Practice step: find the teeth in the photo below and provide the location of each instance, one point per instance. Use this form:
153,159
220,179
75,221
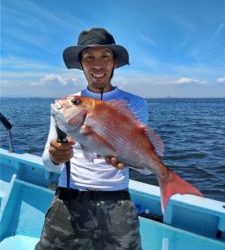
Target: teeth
98,75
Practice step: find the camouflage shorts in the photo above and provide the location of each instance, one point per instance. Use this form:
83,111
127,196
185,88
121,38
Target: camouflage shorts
83,224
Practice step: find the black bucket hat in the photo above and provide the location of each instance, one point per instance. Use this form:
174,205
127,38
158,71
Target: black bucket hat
95,37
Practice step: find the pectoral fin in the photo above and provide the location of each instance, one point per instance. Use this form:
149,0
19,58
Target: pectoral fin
97,143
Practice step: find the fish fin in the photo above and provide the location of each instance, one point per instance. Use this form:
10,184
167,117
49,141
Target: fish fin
155,140
102,141
174,184
122,107
119,104
143,171
105,146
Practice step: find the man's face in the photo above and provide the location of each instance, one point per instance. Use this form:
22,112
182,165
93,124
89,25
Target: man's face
98,64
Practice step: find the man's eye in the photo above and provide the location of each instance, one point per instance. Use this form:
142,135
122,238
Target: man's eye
107,55
88,58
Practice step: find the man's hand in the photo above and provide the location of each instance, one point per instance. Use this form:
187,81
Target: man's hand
113,160
61,152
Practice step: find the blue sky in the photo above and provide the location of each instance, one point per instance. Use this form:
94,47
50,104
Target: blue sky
176,47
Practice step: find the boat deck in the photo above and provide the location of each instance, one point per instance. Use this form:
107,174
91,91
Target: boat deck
25,200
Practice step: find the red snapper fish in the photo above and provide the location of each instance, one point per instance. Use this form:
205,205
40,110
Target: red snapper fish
113,130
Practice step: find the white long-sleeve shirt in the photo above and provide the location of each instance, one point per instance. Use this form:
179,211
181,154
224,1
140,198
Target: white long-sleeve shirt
97,174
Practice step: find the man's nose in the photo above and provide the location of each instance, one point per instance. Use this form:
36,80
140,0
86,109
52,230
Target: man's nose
98,64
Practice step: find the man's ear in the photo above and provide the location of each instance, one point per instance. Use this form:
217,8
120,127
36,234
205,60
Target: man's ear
81,65
115,64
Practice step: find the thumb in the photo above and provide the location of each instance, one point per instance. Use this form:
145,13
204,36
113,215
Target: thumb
71,141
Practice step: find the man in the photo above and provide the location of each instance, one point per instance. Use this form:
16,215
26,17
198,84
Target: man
95,211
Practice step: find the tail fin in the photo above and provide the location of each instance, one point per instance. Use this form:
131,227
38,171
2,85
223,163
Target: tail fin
175,185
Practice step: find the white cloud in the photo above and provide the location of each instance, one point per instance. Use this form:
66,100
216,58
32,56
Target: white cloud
140,78
184,80
47,85
221,80
17,71
52,78
58,80
187,80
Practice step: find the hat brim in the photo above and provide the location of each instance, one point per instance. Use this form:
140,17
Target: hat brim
71,55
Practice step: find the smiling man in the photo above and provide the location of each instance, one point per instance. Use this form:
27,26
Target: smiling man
98,65
92,207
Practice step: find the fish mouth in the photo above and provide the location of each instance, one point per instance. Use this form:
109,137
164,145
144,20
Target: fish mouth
58,106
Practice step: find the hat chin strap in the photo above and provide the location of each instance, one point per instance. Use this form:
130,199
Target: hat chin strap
102,91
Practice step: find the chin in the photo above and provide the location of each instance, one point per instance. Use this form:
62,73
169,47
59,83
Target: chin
98,85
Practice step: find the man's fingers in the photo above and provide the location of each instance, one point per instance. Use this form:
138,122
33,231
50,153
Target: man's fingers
61,152
61,158
114,161
108,159
85,130
62,146
120,165
70,141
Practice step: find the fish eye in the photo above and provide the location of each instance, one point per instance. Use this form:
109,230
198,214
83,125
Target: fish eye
76,101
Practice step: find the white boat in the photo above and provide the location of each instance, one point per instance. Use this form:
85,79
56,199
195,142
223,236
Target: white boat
27,189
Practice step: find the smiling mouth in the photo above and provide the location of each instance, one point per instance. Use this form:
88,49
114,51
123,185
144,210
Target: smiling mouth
98,76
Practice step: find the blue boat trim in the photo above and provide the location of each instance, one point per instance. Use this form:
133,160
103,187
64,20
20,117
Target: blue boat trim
189,222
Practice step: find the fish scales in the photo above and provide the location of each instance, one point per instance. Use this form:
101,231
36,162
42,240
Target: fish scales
120,139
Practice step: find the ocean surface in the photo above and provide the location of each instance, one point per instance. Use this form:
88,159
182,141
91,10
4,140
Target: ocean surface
193,131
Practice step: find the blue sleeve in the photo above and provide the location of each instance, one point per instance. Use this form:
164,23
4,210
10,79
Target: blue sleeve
140,108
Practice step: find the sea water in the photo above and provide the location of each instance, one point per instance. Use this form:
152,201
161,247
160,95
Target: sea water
193,132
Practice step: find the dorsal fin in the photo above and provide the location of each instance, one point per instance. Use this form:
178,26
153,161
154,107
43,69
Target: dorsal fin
119,104
155,140
122,106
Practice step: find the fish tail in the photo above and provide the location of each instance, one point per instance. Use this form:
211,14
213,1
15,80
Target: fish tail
174,184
